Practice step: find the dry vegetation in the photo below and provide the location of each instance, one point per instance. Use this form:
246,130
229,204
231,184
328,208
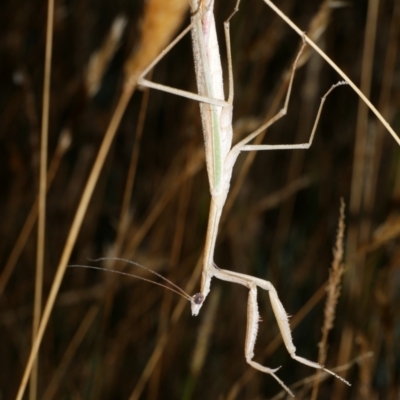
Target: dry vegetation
117,338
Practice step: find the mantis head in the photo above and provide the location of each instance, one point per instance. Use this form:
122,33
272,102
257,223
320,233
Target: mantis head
196,302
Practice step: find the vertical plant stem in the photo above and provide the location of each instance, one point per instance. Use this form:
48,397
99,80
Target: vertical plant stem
69,353
356,236
42,192
63,145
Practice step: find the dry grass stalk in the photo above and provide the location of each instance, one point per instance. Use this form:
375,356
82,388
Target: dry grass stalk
163,340
63,145
161,19
42,200
203,337
333,293
73,346
359,92
316,28
137,235
100,60
310,380
310,93
361,173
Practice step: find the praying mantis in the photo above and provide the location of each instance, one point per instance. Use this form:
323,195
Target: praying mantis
216,115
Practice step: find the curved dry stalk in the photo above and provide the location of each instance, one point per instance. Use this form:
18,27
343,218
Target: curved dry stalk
336,68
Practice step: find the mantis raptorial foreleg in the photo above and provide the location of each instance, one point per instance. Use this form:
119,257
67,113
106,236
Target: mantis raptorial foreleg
216,115
253,319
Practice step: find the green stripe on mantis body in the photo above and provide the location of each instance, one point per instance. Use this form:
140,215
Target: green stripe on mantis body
216,148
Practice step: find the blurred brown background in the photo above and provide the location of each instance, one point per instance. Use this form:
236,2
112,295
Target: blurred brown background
280,222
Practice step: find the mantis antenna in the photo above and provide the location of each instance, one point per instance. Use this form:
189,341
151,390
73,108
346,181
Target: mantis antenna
176,289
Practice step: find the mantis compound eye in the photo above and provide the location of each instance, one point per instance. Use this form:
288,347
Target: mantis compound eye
198,298
197,302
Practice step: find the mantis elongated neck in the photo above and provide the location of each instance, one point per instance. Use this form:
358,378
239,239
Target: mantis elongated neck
211,238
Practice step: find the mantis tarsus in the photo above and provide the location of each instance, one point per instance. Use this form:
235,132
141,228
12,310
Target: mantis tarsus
216,113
